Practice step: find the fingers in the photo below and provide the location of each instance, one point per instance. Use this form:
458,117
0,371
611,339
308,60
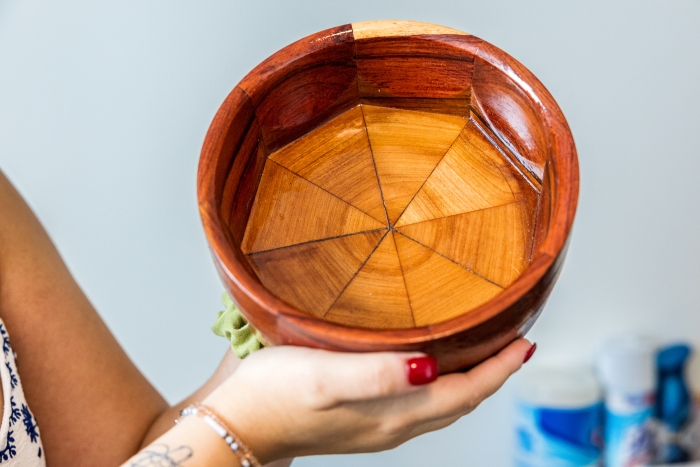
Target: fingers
358,377
459,393
327,379
486,378
361,400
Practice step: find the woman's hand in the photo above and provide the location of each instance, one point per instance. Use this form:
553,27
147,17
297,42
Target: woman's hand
293,401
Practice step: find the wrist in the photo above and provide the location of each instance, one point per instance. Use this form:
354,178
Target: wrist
218,426
241,416
209,442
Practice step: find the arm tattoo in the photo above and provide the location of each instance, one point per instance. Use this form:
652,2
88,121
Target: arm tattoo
160,455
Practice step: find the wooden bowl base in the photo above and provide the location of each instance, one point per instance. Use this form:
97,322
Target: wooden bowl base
387,218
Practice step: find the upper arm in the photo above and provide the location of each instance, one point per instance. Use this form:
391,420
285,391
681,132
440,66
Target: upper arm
92,404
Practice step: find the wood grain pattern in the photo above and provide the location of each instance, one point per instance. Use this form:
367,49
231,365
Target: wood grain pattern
337,157
400,77
510,112
228,130
494,243
290,210
438,288
543,210
376,297
233,123
332,45
311,276
417,67
430,73
301,152
286,113
308,84
525,186
392,28
322,65
407,145
456,107
246,170
492,148
464,180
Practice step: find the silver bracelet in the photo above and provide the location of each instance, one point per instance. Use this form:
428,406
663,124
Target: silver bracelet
210,418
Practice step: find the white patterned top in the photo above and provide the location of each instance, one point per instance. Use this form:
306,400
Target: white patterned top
20,443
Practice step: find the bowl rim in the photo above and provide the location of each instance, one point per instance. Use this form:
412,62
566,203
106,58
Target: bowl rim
564,198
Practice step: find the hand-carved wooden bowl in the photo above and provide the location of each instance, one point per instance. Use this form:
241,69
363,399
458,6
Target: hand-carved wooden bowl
390,185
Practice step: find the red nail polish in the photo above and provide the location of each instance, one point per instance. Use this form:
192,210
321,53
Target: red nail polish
530,353
422,370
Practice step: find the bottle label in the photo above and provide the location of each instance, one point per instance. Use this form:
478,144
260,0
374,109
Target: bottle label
555,437
630,431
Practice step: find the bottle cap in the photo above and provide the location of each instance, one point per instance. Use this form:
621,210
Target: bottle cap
628,364
556,386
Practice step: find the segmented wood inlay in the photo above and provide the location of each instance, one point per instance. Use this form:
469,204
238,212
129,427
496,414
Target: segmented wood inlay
451,210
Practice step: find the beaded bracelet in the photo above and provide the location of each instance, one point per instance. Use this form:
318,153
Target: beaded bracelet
210,418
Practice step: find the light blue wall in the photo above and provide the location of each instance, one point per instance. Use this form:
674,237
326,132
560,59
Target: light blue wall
104,105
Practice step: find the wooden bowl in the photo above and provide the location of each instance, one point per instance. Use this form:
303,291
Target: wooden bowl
390,185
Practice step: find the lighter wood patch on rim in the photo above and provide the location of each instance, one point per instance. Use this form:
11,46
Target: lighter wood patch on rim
371,29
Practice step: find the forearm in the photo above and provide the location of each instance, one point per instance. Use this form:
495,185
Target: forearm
164,422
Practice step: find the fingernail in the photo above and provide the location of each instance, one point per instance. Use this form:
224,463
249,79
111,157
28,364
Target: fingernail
422,370
530,353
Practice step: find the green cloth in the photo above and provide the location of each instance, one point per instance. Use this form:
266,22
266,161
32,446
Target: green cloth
232,325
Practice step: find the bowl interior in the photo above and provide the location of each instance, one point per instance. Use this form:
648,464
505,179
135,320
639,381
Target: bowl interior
385,179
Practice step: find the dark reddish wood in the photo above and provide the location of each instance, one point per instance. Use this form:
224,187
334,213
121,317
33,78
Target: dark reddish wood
287,113
321,65
237,168
456,107
429,73
249,180
408,77
512,103
497,142
226,133
225,154
508,107
543,210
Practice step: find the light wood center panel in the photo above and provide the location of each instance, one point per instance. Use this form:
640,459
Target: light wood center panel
312,275
407,145
377,296
389,218
289,210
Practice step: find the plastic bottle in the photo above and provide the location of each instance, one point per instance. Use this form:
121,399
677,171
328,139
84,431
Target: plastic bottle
627,370
558,422
673,404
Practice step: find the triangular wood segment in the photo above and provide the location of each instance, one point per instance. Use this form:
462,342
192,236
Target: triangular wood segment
495,243
465,180
489,144
477,137
438,288
521,184
288,210
376,297
407,145
297,154
337,157
311,276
